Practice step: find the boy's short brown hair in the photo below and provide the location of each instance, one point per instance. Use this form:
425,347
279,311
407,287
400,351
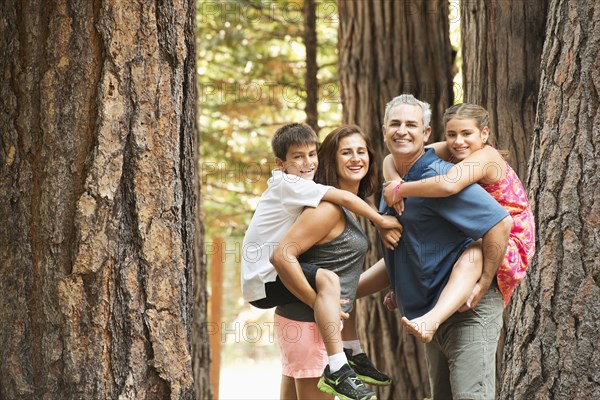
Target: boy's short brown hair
292,134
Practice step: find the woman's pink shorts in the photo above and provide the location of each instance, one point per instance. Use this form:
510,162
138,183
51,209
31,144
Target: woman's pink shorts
303,353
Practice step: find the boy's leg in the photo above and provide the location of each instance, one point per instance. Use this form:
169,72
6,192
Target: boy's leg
358,360
327,310
277,294
338,377
465,274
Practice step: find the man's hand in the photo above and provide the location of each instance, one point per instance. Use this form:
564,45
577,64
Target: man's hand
480,289
390,301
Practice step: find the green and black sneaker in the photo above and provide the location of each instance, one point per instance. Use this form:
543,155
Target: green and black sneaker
345,385
365,369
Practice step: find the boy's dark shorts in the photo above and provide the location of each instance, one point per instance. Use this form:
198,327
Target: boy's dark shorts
278,294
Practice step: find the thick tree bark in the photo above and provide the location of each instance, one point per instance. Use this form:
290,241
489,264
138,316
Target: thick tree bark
392,47
501,47
311,81
98,204
552,346
388,48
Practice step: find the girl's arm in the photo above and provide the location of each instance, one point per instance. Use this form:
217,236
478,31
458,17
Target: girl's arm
312,226
393,178
389,169
441,149
485,165
357,205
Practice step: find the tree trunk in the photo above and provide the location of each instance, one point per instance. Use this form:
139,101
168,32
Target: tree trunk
388,48
501,47
311,81
552,346
98,204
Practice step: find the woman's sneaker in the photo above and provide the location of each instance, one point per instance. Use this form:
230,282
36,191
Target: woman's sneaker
365,370
345,385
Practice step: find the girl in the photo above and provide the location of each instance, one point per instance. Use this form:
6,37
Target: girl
467,145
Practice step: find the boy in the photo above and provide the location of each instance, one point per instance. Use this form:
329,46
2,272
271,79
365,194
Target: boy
290,190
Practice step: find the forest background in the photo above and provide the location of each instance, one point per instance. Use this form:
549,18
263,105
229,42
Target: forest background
115,117
252,66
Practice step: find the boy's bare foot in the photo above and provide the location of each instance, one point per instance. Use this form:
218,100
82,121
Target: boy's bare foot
421,328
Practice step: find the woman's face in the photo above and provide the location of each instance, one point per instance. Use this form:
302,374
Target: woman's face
463,137
352,160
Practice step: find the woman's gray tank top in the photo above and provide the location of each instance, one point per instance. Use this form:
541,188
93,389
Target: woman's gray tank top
344,255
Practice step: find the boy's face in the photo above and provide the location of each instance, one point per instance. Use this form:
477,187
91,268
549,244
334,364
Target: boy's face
301,160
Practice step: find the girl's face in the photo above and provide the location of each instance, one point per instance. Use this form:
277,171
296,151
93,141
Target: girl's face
352,160
463,137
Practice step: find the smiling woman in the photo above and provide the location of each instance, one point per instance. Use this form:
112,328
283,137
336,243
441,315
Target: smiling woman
329,237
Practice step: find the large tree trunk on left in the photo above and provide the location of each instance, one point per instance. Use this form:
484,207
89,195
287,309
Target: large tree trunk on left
387,48
98,200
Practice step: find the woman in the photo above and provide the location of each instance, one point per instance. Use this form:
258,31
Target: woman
331,238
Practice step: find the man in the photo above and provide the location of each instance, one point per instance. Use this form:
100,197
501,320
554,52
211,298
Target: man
461,356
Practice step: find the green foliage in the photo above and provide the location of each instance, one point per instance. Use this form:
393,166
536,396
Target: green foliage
251,65
251,81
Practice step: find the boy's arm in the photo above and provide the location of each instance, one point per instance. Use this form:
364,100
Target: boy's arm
357,205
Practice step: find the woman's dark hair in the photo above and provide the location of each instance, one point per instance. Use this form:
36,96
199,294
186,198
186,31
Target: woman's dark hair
327,171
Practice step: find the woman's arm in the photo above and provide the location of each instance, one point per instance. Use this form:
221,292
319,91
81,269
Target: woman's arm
485,164
313,225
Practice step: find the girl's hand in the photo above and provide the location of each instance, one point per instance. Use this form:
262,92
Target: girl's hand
391,198
390,237
389,193
399,206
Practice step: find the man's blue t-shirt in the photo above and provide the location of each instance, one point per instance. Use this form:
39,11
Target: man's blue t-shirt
436,232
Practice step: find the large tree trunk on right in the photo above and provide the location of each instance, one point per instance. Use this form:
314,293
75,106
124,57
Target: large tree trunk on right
387,48
501,46
552,348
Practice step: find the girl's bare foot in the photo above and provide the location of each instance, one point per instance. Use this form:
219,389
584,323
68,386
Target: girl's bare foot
421,328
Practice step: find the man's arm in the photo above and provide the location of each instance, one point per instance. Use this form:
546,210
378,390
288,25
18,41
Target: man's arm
494,249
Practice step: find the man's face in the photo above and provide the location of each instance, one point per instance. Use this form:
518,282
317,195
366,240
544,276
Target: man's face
300,160
404,134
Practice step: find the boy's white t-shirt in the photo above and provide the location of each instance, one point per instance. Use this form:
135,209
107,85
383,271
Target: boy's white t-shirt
279,207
